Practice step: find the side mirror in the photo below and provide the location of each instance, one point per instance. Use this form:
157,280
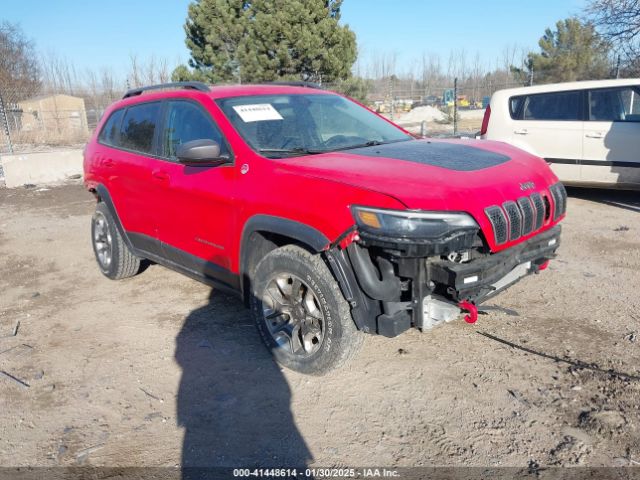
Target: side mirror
203,152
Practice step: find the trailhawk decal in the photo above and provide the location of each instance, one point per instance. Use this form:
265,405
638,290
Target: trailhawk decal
446,155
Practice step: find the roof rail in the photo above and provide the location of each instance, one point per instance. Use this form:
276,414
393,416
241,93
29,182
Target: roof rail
299,83
201,87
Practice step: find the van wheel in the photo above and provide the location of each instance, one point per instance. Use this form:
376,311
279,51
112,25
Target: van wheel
114,258
300,312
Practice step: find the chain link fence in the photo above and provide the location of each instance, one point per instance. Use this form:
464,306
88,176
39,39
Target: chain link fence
40,120
453,108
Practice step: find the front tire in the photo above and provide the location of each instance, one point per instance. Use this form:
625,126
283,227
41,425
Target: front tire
114,258
300,312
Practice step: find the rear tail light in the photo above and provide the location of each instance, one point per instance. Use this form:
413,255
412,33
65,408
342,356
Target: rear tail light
485,121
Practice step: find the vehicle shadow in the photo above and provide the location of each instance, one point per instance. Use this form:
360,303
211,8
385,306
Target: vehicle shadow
233,400
628,200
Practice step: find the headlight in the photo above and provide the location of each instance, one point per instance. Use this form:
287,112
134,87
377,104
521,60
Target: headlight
412,224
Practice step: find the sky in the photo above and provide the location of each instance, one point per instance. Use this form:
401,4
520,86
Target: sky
97,34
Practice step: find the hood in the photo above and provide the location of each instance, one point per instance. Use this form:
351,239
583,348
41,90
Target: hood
456,175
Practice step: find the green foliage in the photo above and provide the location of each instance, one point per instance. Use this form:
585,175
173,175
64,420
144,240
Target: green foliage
182,74
574,51
355,87
265,40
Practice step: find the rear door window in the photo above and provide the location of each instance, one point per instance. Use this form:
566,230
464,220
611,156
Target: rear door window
139,126
564,106
111,130
614,105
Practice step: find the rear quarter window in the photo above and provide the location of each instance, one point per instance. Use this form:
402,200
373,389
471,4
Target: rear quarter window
111,131
515,107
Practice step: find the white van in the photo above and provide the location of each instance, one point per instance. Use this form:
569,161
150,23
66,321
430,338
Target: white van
589,132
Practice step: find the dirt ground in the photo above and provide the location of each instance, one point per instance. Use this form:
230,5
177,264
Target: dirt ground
157,369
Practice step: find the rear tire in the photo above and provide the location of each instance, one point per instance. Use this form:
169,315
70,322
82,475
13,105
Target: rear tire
300,312
113,256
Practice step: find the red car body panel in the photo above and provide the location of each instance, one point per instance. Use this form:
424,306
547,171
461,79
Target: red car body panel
202,211
425,187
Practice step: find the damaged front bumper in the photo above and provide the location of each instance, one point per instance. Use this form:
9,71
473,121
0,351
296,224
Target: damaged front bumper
482,278
390,290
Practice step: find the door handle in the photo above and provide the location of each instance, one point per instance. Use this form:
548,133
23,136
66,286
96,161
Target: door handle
107,162
160,175
595,135
522,131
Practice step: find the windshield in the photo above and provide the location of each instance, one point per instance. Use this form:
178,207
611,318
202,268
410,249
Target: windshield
278,126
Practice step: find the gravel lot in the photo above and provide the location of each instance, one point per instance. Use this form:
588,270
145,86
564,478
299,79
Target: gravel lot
159,370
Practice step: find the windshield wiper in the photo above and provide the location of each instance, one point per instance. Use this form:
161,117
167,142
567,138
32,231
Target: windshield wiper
309,151
370,143
291,151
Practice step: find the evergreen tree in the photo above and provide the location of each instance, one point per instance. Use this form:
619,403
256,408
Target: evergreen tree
355,87
265,40
574,51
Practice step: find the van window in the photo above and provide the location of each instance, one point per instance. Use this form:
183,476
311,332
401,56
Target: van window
109,133
515,107
138,127
187,122
615,105
553,106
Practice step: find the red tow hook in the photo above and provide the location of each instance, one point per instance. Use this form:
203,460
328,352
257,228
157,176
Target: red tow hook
472,317
543,266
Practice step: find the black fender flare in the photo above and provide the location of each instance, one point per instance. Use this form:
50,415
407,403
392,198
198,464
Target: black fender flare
298,231
301,232
105,197
363,309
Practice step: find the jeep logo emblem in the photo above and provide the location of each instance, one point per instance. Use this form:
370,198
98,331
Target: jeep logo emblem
527,186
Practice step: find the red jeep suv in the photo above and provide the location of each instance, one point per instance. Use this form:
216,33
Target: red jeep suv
327,219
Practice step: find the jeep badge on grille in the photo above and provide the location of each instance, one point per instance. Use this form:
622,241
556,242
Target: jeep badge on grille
527,186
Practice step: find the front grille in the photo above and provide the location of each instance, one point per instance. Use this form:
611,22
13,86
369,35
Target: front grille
527,215
538,205
515,220
498,222
559,195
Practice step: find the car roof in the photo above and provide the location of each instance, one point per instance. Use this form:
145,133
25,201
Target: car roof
225,91
216,92
567,86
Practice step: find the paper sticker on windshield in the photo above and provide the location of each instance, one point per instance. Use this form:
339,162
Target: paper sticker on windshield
258,112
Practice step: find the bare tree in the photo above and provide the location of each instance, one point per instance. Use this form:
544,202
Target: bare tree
619,22
19,70
148,72
59,74
134,78
109,85
477,73
431,73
